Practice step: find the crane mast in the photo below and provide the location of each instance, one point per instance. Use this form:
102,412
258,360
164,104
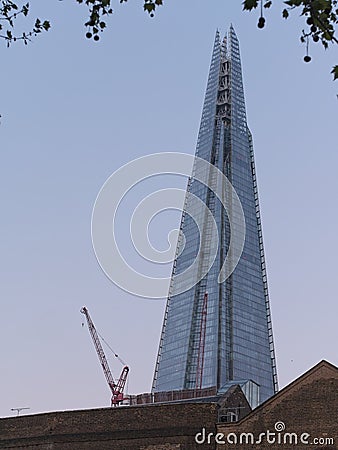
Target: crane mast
116,388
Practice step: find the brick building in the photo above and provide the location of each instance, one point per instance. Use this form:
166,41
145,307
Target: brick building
303,415
308,406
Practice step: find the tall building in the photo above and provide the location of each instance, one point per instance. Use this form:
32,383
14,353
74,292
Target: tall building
237,332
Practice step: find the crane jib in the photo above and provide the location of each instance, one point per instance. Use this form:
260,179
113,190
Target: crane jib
116,388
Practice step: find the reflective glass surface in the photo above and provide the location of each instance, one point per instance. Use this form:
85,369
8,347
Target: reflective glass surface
238,335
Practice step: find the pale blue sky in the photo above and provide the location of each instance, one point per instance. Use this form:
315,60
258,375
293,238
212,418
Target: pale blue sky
74,111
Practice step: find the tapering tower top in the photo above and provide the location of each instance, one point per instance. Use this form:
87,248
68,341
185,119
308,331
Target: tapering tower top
238,342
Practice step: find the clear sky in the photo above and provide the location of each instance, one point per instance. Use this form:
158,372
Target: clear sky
74,111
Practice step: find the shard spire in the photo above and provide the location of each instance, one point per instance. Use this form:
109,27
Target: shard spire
238,344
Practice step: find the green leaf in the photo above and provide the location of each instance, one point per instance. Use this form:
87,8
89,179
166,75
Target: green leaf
335,72
285,13
248,5
149,7
293,3
46,25
267,4
327,36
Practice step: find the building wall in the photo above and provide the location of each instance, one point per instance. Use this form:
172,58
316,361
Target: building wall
150,427
308,405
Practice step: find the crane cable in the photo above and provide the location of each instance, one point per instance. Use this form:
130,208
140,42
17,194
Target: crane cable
114,353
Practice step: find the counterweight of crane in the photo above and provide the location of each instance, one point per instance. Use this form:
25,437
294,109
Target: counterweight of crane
118,387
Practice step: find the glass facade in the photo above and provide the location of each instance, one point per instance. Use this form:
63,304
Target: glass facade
238,334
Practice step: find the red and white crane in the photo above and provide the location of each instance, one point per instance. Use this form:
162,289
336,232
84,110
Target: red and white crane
116,388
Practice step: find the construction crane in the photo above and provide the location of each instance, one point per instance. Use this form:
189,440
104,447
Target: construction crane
201,344
116,388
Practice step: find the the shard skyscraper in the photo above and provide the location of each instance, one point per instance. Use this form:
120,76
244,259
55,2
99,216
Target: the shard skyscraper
238,341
